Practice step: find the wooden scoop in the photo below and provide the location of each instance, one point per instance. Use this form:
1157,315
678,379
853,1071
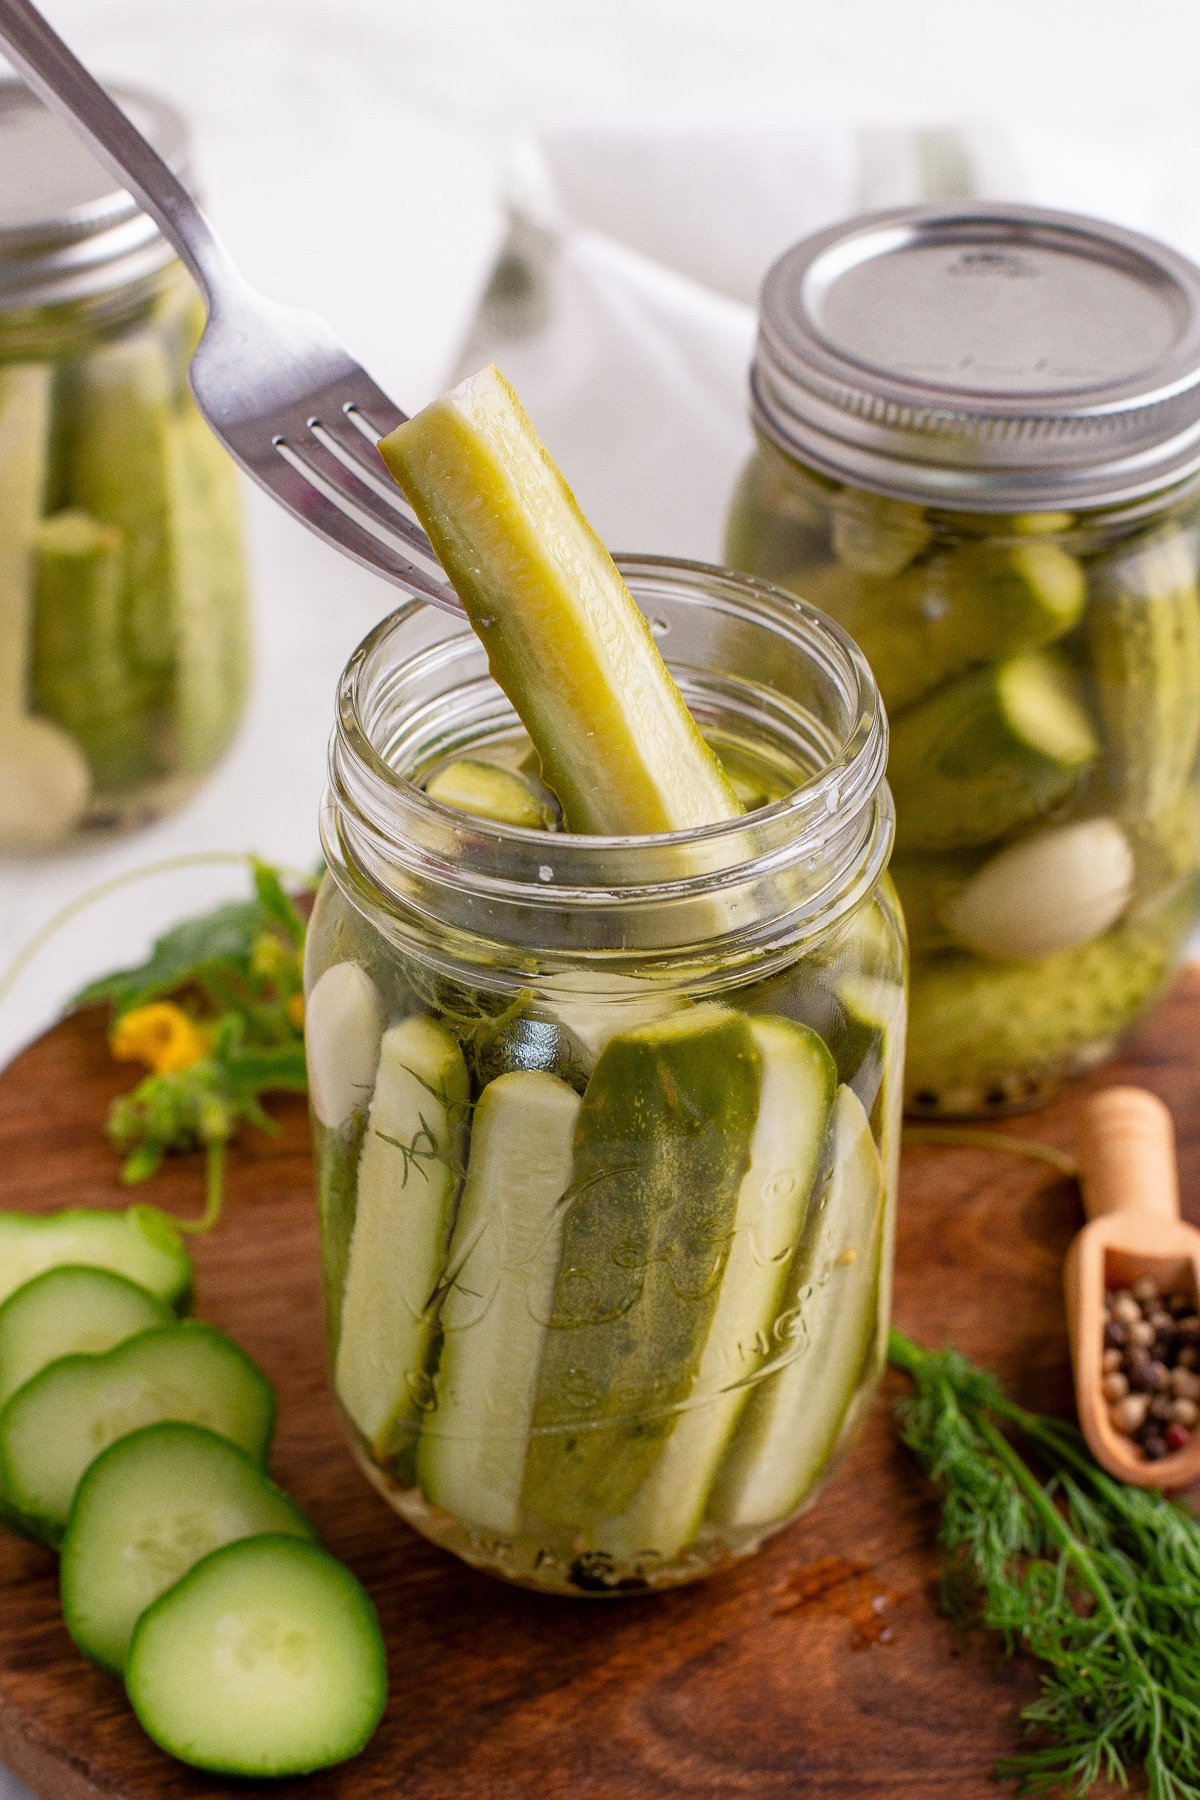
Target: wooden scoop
1126,1145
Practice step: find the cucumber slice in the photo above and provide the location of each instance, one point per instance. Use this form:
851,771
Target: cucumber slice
993,751
499,1293
69,1312
141,1244
147,1510
408,1180
343,1026
57,1424
935,620
799,1082
796,1413
488,792
265,1660
563,636
1053,891
661,1150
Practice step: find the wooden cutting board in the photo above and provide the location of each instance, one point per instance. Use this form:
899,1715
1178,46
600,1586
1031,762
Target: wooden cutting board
820,1667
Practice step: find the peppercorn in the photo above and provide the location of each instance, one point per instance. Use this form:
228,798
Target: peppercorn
1177,1437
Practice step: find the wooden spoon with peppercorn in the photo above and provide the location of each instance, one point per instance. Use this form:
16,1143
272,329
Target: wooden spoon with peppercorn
1133,1296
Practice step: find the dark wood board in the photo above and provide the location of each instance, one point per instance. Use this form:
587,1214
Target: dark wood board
819,1667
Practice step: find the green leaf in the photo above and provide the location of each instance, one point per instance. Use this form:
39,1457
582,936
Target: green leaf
222,938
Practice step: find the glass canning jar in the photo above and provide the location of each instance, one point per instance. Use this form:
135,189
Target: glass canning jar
978,450
606,1129
124,653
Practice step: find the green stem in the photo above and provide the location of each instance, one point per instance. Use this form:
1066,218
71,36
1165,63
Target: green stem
1055,1524
967,1138
214,1194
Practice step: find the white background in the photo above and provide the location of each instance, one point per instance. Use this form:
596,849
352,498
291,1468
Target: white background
349,152
350,149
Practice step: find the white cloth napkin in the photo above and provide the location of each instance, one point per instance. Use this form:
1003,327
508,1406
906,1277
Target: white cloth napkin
623,304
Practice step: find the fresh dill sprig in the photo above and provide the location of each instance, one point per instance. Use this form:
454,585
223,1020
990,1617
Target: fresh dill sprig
1099,1581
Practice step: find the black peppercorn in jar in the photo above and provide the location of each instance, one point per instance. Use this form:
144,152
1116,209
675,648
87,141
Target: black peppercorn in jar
979,450
123,615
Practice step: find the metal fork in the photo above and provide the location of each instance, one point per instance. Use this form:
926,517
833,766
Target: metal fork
283,396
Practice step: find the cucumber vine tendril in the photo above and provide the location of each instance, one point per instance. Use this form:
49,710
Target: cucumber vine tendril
1099,1581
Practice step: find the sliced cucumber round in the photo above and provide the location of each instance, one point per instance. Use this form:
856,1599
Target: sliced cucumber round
147,1510
265,1660
58,1423
69,1312
140,1243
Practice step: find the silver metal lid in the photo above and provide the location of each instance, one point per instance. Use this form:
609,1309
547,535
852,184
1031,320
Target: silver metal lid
993,357
67,231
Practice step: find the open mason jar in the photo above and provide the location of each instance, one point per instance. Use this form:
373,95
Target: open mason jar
979,445
124,651
606,1128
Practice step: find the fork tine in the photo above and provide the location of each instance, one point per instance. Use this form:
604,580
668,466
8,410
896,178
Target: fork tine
305,498
358,455
341,486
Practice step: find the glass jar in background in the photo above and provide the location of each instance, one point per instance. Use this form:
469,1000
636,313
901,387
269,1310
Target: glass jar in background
124,653
606,1129
979,444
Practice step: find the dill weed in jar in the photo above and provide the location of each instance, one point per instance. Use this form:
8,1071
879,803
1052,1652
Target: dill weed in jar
124,650
979,437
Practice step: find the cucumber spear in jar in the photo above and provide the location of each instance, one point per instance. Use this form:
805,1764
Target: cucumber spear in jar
615,1254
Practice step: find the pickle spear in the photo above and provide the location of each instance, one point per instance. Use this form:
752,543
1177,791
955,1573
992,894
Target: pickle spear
664,1140
563,636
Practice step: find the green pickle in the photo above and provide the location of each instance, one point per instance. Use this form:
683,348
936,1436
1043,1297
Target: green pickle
1041,672
606,1139
124,589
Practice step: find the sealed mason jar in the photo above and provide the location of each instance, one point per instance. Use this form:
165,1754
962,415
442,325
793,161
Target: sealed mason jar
124,650
606,1128
978,450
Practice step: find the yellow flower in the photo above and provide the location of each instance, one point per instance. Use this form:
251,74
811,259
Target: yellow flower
160,1035
295,1011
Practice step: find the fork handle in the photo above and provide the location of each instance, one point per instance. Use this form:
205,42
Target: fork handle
58,77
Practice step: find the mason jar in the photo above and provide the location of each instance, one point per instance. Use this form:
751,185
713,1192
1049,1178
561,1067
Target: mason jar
124,651
979,450
606,1128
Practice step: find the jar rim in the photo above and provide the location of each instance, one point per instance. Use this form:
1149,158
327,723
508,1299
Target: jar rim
837,822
